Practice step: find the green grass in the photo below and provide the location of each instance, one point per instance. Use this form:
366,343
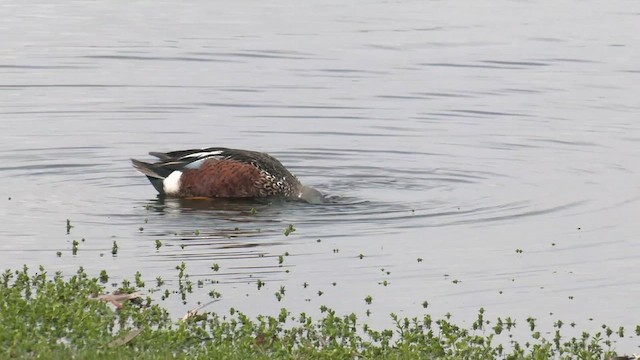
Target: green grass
56,317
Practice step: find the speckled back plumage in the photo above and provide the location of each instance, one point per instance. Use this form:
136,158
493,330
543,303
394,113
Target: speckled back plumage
220,172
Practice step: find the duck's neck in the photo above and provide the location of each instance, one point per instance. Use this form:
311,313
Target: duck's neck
310,195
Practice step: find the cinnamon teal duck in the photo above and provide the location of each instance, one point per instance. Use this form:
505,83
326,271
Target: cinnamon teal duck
219,172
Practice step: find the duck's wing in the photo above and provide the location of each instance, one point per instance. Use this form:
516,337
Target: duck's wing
191,159
189,154
194,158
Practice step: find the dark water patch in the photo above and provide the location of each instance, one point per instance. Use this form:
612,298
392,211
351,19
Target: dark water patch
383,47
401,97
333,75
473,114
446,95
243,90
272,106
344,117
267,55
114,86
55,168
489,113
59,113
570,60
515,63
155,58
403,30
334,133
158,108
36,67
570,143
353,71
475,66
510,146
520,90
547,39
54,149
338,73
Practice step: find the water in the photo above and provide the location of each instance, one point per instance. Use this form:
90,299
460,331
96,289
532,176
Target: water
479,154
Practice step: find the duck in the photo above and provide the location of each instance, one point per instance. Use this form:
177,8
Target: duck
219,172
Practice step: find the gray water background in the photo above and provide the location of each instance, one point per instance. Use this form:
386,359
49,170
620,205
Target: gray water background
480,154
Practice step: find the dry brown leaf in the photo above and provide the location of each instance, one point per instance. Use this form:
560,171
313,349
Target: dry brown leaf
117,299
125,339
193,312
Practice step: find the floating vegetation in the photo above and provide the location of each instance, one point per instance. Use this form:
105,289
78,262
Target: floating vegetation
114,248
74,247
138,279
69,226
290,229
280,293
50,316
104,277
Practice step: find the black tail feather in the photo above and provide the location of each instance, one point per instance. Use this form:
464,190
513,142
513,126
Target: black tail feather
155,174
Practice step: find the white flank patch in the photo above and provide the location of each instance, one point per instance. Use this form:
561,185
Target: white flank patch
203,154
171,185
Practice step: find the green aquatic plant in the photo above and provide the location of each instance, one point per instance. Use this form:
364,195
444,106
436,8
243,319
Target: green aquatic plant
46,315
290,229
69,226
104,277
138,279
74,247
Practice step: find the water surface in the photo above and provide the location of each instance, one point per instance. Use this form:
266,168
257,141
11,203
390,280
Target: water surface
479,154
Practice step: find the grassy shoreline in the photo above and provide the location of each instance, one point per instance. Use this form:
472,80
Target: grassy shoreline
51,316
